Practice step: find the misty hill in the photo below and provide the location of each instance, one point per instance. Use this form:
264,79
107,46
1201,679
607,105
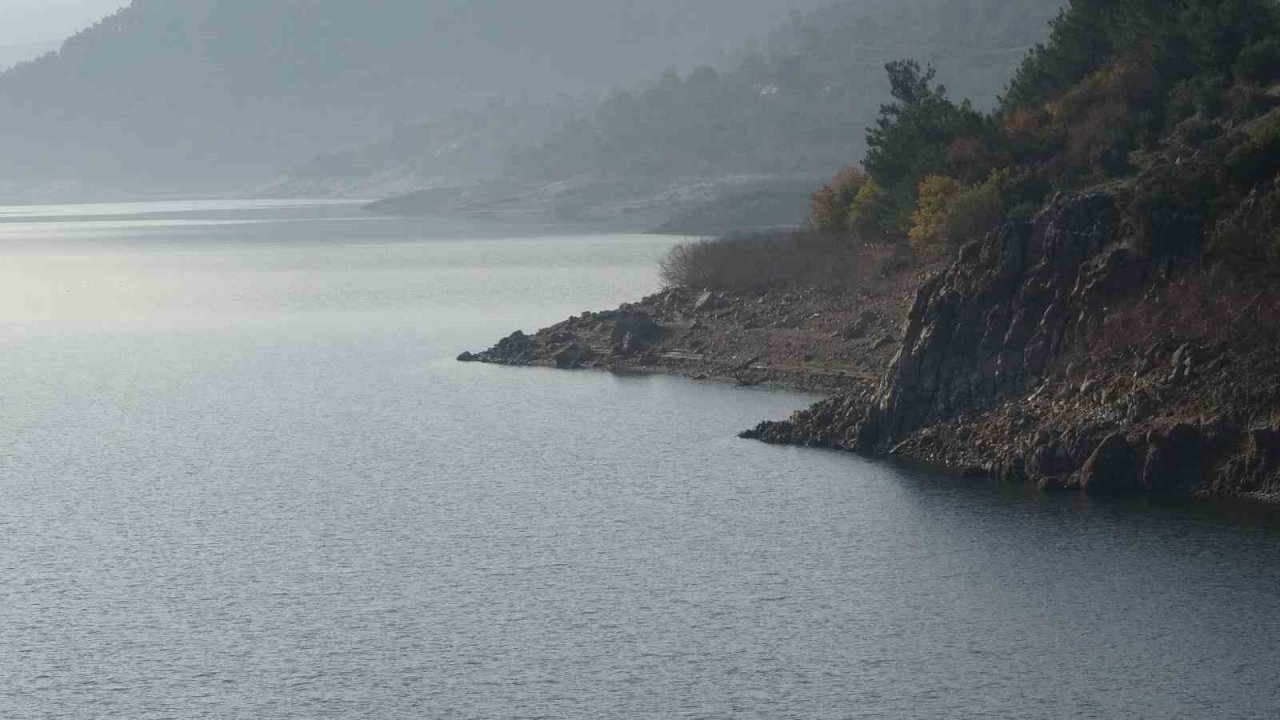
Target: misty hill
800,103
225,91
766,119
461,148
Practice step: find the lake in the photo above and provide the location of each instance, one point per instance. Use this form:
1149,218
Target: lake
241,476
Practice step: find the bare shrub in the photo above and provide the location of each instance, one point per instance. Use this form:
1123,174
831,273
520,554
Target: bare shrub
1248,240
760,262
1202,308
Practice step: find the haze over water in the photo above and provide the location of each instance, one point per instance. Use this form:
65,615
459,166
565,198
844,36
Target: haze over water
242,476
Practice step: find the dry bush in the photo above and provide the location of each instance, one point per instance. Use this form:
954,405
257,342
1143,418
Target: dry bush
1248,240
826,212
760,262
1203,308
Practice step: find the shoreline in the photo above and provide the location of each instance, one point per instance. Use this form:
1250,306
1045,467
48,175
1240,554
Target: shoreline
1003,363
800,341
850,395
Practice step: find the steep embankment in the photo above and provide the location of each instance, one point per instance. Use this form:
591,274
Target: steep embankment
1110,321
1053,352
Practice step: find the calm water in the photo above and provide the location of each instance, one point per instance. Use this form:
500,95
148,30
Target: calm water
242,477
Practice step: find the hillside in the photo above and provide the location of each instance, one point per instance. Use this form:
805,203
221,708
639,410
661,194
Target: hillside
1093,264
790,107
799,102
461,148
185,94
1108,324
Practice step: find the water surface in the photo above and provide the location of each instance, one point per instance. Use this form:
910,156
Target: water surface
242,477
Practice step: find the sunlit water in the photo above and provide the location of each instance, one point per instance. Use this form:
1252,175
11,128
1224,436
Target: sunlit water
241,476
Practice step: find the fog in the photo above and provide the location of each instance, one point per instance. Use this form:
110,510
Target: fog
227,90
193,96
33,27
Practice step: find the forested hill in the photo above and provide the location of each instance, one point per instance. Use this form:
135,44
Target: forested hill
192,91
800,101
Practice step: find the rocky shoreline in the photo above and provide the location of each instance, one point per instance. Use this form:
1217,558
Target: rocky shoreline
1015,364
812,342
1011,361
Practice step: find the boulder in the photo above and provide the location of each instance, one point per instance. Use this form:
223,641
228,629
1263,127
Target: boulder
573,356
1112,469
1175,458
1256,468
515,349
639,325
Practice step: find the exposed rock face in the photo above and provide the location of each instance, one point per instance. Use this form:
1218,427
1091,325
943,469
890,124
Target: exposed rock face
1255,469
859,328
1175,458
1002,360
1112,469
829,424
576,355
985,376
990,326
515,349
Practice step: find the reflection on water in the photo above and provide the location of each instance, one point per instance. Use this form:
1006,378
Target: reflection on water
243,477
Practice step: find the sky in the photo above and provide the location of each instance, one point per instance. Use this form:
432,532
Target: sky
31,27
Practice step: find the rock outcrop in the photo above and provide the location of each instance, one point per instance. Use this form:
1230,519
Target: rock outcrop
999,372
800,340
1000,363
991,326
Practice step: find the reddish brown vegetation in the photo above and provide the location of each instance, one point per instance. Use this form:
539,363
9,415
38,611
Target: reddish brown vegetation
1202,308
777,261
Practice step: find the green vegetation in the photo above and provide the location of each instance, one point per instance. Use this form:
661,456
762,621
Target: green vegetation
1168,98
948,212
831,205
1257,158
919,134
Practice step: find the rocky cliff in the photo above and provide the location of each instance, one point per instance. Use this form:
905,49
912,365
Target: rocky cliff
1011,365
1088,349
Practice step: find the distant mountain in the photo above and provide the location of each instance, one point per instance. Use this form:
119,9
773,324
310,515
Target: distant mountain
190,93
774,114
461,148
802,102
